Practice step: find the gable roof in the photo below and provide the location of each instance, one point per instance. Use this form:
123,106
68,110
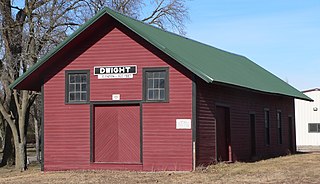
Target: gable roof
207,62
311,90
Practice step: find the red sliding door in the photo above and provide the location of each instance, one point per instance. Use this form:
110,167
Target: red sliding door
117,133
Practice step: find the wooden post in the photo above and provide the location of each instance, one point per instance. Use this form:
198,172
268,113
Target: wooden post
194,156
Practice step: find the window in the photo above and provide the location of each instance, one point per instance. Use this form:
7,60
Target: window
77,86
156,85
314,127
267,126
291,136
253,134
279,121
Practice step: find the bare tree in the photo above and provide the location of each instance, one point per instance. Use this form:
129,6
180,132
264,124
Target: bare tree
30,30
34,29
166,14
35,120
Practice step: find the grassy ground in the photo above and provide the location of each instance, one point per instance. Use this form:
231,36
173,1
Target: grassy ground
301,168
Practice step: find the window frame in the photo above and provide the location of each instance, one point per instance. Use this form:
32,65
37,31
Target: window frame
253,130
279,126
267,127
317,125
67,73
145,81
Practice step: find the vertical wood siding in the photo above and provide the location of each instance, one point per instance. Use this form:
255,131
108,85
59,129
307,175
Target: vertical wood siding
67,126
241,103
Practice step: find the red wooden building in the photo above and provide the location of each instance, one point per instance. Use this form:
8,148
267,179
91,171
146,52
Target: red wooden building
120,94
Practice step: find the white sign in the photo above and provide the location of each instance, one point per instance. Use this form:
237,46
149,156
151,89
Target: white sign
115,96
115,72
183,123
115,76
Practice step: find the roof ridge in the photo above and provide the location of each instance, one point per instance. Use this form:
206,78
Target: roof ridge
163,48
173,33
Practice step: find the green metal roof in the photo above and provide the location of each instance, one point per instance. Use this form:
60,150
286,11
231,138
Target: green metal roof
207,62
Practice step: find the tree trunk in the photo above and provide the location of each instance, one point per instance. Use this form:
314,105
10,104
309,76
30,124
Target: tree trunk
8,151
2,132
36,134
21,145
20,156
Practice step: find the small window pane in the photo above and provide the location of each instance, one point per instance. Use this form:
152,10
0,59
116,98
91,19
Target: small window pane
156,94
72,79
150,95
156,83
84,96
162,94
149,74
156,75
266,119
72,97
267,125
162,83
150,83
77,87
72,87
83,87
77,97
76,78
163,75
83,78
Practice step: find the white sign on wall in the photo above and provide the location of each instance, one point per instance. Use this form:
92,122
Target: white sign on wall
115,72
115,96
183,123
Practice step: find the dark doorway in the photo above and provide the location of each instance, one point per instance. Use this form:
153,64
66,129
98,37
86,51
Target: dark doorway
290,135
253,134
224,152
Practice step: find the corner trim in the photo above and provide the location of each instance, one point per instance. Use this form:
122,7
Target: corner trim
42,128
141,134
194,124
91,133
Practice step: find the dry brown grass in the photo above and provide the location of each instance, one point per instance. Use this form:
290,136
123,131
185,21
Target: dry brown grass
301,168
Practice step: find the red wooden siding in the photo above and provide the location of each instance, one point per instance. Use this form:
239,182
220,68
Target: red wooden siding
223,134
67,126
117,134
206,128
241,104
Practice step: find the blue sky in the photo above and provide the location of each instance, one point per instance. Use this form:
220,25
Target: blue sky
283,36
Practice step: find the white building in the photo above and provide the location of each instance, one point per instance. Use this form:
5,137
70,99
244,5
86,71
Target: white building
308,121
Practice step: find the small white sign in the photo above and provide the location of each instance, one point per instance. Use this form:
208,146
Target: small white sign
115,96
115,76
183,123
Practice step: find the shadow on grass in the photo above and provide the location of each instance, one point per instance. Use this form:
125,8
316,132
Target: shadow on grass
260,158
